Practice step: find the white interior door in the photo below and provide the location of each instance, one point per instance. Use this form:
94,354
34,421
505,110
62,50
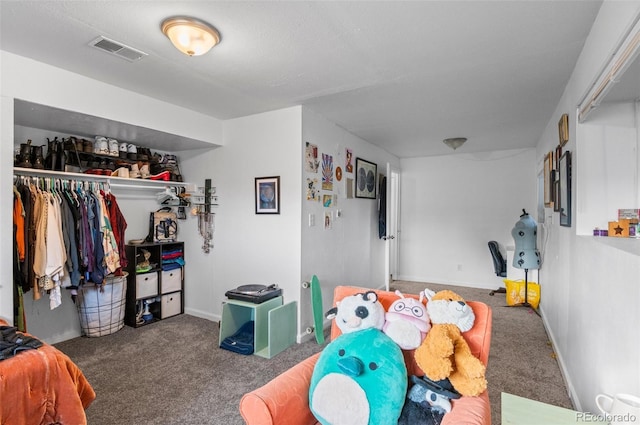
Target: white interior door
393,228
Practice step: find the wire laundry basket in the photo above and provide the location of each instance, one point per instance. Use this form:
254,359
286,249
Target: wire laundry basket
101,308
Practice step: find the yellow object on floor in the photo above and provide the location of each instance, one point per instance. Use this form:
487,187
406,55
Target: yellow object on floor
515,292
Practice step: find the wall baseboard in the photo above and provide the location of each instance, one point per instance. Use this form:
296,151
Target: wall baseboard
202,314
426,280
561,363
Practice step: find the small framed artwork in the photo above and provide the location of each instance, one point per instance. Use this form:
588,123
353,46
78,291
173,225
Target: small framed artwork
267,195
563,129
548,182
556,158
365,179
328,220
556,195
348,165
564,166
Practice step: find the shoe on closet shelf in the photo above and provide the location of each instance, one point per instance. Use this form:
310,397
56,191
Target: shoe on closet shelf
114,148
87,146
144,171
165,175
121,172
143,154
132,151
101,145
122,150
135,172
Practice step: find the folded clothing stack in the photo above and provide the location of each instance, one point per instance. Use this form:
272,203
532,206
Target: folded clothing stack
172,259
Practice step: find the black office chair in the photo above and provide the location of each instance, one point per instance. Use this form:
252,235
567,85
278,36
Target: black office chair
499,264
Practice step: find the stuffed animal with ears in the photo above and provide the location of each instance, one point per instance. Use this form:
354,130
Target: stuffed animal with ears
427,401
407,321
360,378
357,312
444,353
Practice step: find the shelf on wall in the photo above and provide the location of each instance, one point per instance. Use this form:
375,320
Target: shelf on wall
629,245
113,181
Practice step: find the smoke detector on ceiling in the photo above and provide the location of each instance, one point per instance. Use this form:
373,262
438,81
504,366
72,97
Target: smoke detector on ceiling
118,49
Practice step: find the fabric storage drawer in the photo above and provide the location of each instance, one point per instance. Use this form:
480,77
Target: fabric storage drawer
172,280
171,305
146,285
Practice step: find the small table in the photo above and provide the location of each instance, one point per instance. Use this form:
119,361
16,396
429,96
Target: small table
275,323
523,411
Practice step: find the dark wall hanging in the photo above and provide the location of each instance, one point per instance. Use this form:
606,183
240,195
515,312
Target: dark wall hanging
365,179
564,167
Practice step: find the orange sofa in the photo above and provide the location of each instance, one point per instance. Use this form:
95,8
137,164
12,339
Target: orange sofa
285,399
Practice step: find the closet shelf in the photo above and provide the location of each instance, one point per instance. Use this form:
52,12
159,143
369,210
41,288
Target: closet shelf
113,181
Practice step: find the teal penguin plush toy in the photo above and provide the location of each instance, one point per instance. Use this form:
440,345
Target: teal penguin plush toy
360,379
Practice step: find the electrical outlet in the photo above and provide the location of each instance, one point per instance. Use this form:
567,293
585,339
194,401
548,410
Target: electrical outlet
312,220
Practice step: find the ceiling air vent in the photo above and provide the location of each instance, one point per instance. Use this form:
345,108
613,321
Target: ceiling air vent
116,48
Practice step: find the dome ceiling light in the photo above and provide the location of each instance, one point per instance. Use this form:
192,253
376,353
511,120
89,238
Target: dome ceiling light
455,142
191,36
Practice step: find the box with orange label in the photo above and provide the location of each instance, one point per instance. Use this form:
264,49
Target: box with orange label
623,228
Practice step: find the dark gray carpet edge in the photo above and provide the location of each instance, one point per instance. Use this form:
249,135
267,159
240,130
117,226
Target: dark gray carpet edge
173,372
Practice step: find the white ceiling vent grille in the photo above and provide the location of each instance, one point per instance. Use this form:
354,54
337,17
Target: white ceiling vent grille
118,49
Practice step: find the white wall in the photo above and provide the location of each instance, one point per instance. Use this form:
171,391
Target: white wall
589,302
453,205
248,248
350,253
25,79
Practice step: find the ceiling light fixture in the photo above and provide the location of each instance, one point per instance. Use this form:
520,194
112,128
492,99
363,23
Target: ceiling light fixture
455,142
191,36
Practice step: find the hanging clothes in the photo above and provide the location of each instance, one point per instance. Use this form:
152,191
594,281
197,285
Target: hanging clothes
119,225
65,233
109,246
382,209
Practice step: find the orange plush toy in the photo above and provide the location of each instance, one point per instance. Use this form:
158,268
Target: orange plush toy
444,353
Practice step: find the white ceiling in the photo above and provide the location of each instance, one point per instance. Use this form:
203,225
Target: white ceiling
401,75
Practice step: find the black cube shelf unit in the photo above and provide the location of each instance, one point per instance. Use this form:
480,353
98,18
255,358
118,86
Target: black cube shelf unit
162,289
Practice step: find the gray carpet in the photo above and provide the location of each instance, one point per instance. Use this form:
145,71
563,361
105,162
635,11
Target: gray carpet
172,372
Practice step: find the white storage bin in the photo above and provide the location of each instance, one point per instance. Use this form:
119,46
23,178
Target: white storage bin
171,305
101,307
146,285
172,280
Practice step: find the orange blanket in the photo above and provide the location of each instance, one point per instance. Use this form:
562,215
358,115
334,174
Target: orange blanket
43,386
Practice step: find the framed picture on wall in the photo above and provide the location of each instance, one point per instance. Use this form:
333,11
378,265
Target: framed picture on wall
365,179
267,195
556,195
548,182
563,129
564,166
